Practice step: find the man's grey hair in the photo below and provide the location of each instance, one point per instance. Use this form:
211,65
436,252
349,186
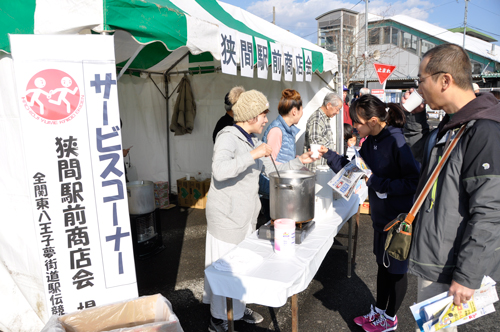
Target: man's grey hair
364,91
333,99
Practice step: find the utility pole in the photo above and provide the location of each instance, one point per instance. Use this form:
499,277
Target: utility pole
366,37
274,13
340,117
465,20
341,62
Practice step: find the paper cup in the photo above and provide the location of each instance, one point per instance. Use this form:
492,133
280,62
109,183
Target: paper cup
413,101
315,150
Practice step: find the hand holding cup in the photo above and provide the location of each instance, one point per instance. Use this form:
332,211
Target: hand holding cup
307,157
315,150
412,101
323,150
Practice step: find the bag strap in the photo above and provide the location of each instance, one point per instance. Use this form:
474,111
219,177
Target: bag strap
428,185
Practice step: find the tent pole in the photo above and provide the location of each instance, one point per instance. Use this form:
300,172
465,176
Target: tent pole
196,71
168,137
165,75
327,84
132,58
177,62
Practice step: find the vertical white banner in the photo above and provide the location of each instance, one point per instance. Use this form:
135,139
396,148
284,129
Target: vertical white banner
262,57
276,61
288,62
228,50
299,64
308,65
68,104
246,54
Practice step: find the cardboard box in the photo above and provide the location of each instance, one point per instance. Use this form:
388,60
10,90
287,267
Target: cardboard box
192,193
161,194
164,203
200,194
147,313
365,208
206,185
185,192
161,185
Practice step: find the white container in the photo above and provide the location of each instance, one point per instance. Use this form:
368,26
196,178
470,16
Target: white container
315,150
141,197
324,194
284,237
413,101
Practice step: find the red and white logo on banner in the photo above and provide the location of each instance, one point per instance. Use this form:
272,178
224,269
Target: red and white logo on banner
52,95
383,71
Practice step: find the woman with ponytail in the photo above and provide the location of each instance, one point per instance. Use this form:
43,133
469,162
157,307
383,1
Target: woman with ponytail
280,135
391,189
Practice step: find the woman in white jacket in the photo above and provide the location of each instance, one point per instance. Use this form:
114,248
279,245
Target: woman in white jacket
233,203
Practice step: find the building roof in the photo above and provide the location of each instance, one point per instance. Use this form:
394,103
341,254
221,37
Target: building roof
472,44
474,33
337,10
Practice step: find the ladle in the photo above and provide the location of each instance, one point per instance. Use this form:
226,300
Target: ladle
276,168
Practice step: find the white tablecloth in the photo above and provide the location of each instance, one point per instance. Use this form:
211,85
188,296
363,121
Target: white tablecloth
277,278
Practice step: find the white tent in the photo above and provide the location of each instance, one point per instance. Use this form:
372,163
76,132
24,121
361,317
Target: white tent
163,40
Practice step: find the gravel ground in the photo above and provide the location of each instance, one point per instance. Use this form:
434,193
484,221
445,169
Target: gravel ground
329,303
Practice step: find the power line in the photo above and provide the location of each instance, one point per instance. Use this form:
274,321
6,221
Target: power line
492,33
440,5
310,34
489,11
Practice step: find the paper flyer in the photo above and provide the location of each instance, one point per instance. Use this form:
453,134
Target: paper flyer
439,312
346,180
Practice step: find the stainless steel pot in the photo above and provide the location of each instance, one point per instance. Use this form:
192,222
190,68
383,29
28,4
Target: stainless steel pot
141,197
292,195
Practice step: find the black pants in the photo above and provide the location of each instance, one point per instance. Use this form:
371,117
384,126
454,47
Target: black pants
391,290
266,210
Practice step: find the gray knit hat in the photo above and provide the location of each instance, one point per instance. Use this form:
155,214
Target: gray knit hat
249,105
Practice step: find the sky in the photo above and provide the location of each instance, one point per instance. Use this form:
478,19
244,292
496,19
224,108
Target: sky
298,16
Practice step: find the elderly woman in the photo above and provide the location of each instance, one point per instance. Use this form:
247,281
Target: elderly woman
233,203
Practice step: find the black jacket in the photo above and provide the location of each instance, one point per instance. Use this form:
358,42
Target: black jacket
224,121
395,173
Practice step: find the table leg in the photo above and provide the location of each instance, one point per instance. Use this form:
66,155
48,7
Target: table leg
356,229
230,320
349,248
295,313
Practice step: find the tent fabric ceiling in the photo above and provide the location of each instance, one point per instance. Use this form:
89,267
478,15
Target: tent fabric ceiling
167,28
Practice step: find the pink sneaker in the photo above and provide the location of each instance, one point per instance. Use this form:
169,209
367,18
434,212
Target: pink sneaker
382,324
368,318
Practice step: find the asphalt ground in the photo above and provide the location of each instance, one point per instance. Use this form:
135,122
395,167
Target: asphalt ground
330,303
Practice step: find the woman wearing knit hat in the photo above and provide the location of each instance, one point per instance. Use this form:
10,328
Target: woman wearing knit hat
229,100
233,203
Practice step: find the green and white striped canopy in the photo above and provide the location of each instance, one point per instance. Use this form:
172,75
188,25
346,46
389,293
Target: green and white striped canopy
162,31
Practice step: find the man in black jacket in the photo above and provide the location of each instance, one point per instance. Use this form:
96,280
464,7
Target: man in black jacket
457,230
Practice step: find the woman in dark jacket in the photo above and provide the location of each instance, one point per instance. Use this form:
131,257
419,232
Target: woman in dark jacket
391,189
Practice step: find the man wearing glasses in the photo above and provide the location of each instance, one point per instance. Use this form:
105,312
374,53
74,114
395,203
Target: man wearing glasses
456,238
